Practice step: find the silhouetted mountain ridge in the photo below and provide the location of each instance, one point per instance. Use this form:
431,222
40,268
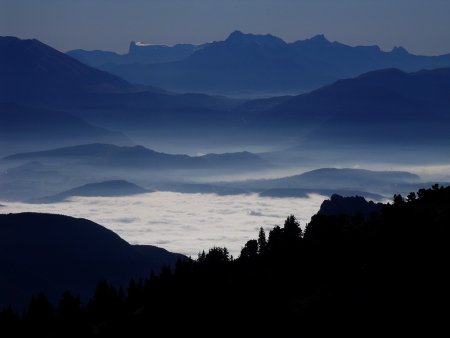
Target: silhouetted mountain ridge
264,64
54,253
139,156
137,53
330,181
343,274
351,205
35,74
32,71
380,107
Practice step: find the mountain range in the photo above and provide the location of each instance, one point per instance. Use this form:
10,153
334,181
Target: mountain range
328,181
141,157
138,52
35,75
250,64
381,106
377,108
99,169
33,72
346,182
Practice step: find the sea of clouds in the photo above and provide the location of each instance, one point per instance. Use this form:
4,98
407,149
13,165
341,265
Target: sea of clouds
185,223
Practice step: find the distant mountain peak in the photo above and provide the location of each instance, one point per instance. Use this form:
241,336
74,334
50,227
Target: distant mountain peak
319,38
399,50
267,39
37,73
235,35
316,40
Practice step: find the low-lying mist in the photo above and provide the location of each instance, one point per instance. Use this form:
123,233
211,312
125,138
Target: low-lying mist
184,223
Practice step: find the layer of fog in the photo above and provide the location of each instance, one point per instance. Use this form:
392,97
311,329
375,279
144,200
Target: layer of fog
185,223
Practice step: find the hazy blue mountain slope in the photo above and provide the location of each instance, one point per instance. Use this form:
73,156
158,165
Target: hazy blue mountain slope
140,157
100,189
385,106
328,181
25,128
137,53
263,64
33,72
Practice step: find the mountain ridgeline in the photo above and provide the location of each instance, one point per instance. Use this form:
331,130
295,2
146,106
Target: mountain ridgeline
32,71
254,64
389,106
356,271
54,253
36,75
328,181
85,123
137,53
102,170
98,154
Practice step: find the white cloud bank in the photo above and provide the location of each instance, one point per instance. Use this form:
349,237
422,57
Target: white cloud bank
185,223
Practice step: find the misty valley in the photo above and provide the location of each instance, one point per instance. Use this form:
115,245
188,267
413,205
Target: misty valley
152,186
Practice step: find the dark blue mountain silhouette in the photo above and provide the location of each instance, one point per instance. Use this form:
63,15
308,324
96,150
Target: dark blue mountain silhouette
351,205
137,53
34,74
328,181
54,253
101,189
377,107
141,157
333,177
385,106
31,71
264,64
388,94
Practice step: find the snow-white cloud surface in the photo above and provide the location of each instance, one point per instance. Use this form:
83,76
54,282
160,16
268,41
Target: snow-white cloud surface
185,223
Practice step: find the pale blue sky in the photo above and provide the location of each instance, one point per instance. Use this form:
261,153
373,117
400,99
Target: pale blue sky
422,26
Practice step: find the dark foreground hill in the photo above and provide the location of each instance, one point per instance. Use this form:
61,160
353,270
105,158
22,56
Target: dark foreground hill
342,276
53,253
